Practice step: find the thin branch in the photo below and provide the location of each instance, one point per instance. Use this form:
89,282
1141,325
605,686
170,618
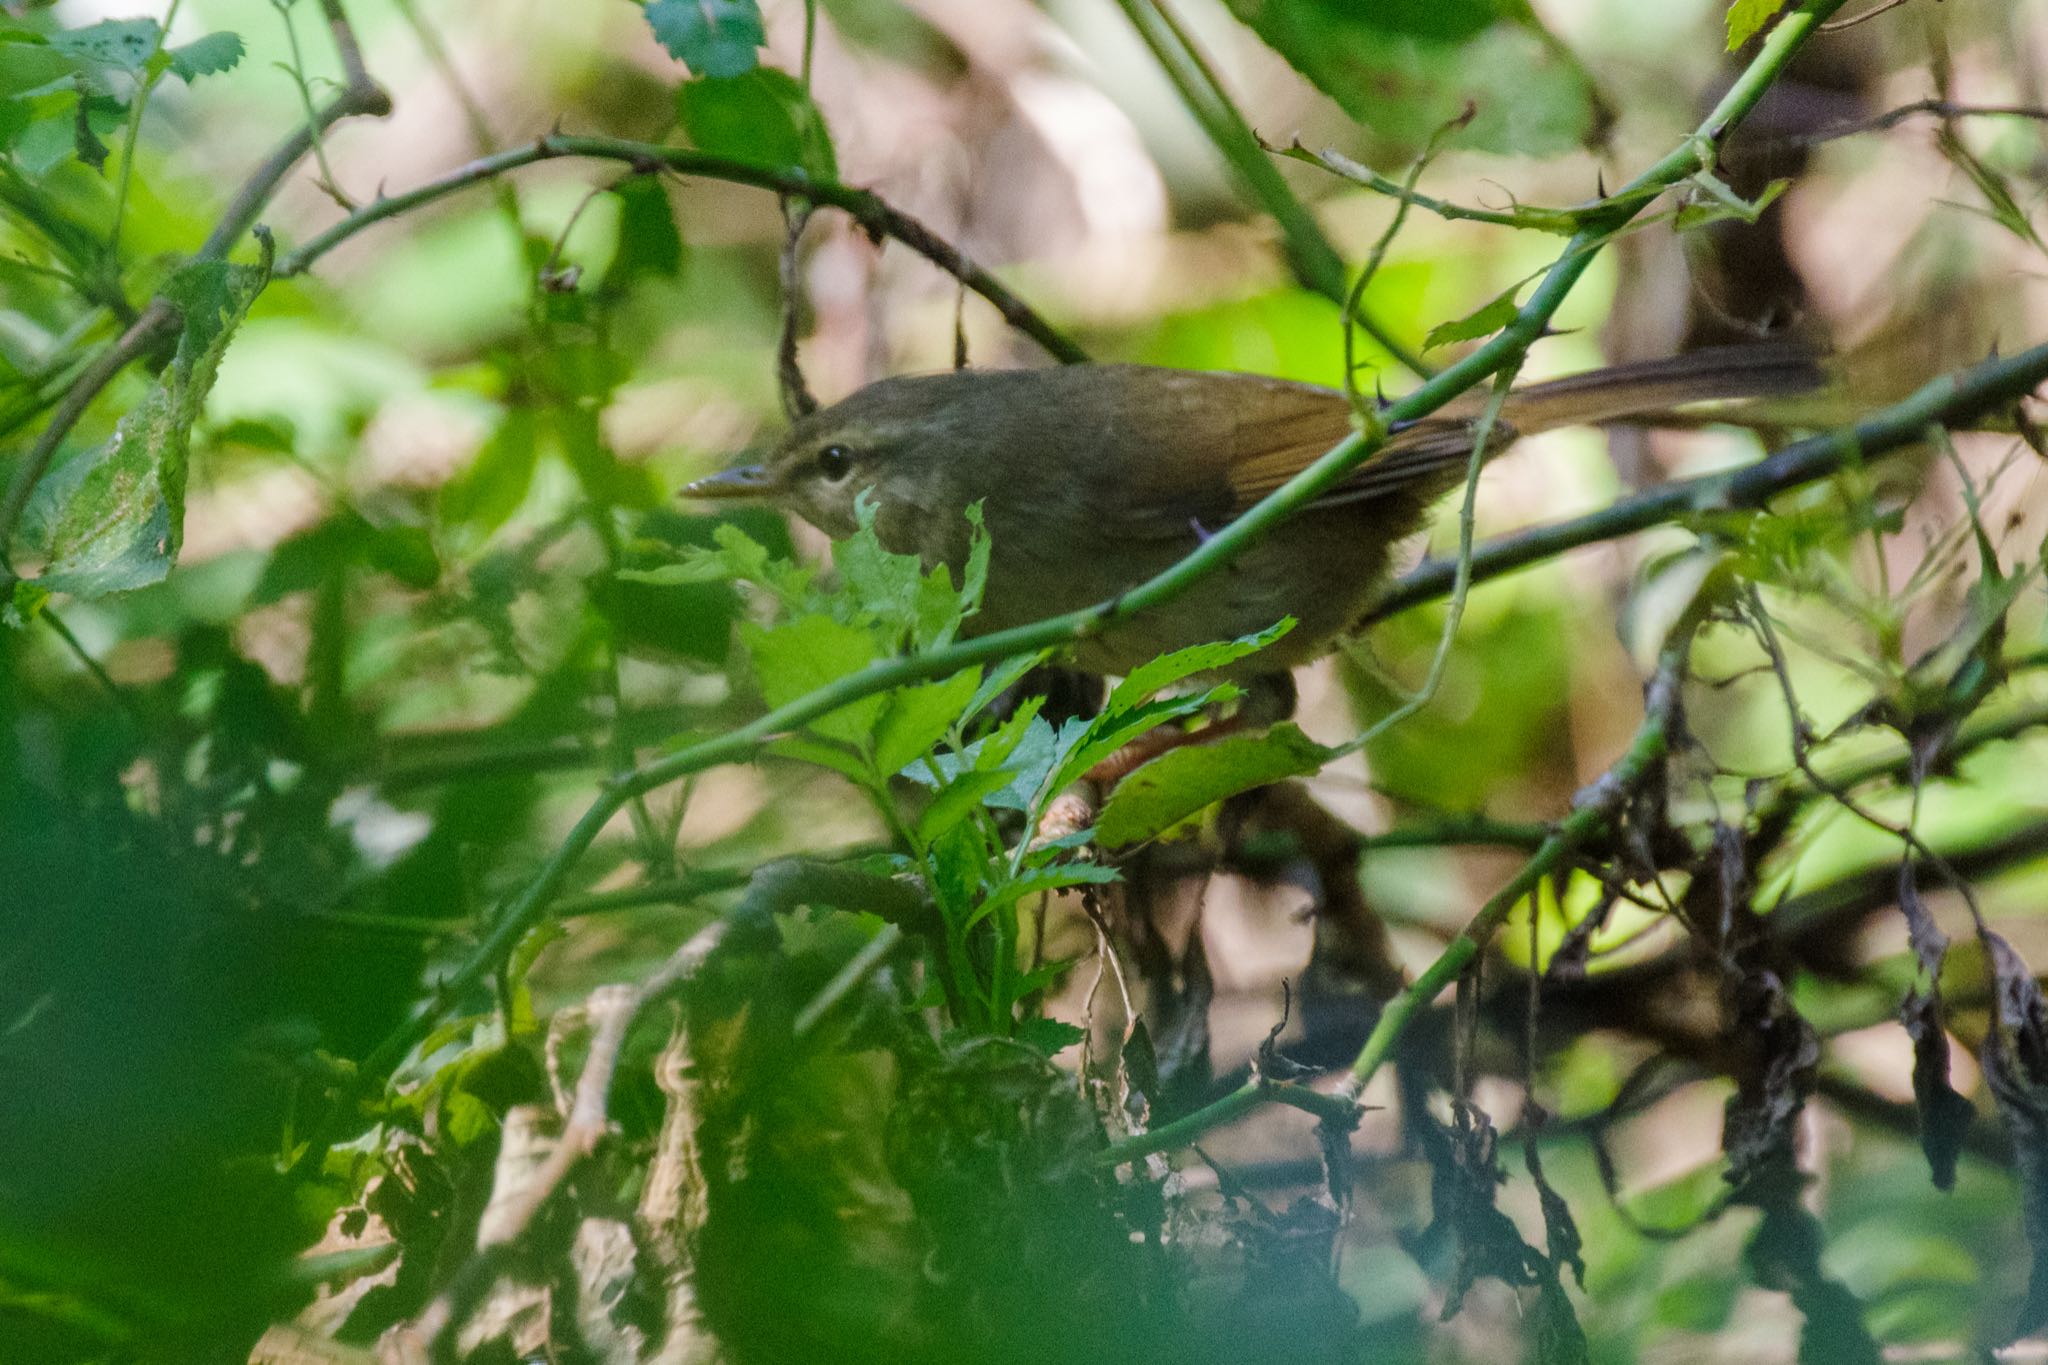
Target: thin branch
1593,813
1562,222
1865,17
1315,262
156,321
865,207
1892,118
1951,400
1531,322
613,1010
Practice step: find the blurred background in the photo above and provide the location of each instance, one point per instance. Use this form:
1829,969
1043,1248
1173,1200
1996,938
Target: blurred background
392,660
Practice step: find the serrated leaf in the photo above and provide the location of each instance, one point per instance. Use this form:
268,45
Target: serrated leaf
803,655
956,801
762,117
1406,68
1747,17
1189,779
1001,678
711,37
1168,669
919,717
117,44
121,518
207,56
1047,1037
1055,877
1495,314
1111,731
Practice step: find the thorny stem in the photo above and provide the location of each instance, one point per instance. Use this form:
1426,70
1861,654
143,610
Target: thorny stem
1951,399
868,209
1505,349
1592,814
1462,584
1560,221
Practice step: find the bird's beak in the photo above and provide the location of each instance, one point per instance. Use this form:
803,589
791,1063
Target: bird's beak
745,481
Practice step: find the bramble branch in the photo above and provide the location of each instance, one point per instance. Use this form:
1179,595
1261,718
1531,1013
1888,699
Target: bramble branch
875,215
1593,814
1950,401
1507,348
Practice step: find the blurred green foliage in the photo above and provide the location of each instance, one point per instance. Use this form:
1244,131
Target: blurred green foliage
327,619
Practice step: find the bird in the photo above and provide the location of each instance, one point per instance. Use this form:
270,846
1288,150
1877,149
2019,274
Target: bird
1094,478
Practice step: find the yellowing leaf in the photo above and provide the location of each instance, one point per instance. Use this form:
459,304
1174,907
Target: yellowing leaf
1747,17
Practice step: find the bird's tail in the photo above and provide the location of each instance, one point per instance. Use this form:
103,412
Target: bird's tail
1649,389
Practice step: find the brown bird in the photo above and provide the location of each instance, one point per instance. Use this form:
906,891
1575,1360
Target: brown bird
1094,478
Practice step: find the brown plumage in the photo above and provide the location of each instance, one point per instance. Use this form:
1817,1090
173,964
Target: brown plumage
1093,478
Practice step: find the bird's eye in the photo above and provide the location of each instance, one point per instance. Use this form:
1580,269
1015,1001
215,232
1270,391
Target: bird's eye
835,463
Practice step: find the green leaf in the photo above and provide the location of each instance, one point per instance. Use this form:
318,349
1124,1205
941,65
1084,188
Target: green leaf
1055,877
957,800
118,523
465,1118
23,604
50,139
115,44
1406,68
85,143
741,558
1001,678
1023,748
208,56
407,554
1168,669
649,244
1495,314
1112,730
1747,17
823,753
919,717
796,659
31,66
1183,781
762,117
711,37
1048,1037
487,493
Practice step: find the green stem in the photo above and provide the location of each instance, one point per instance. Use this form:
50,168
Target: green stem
1213,554
144,84
1562,222
297,71
1315,262
1592,814
1949,400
